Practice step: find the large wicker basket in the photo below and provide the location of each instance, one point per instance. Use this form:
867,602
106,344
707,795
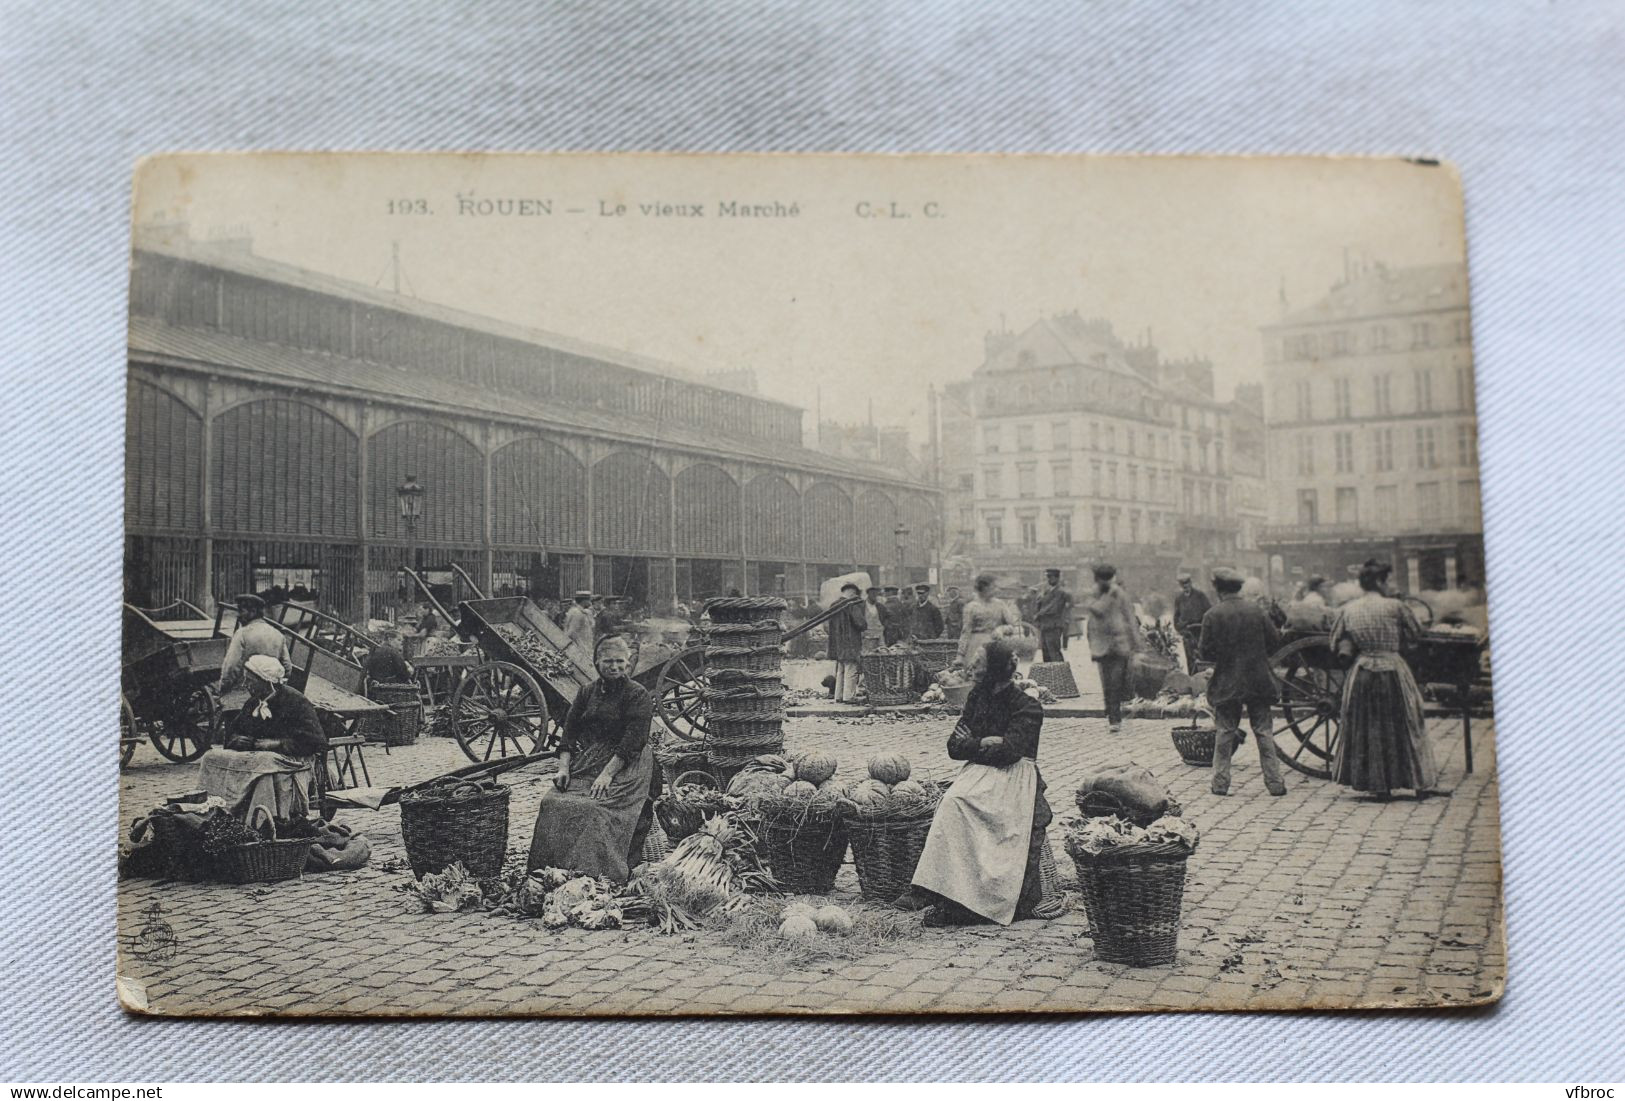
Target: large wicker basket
1134,897
263,860
1195,744
886,851
401,724
1057,677
936,654
744,609
745,701
439,832
745,659
888,678
804,851
762,632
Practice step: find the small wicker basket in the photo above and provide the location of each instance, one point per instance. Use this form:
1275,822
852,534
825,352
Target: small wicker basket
1195,744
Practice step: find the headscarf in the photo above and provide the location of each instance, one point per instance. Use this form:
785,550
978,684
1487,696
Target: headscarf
612,646
998,667
269,670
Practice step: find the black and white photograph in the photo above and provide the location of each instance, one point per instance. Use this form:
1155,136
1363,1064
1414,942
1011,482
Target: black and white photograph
610,585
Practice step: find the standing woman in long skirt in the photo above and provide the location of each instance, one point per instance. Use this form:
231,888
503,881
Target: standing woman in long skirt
1384,743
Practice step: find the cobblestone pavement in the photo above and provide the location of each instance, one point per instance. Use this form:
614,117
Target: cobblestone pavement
1319,898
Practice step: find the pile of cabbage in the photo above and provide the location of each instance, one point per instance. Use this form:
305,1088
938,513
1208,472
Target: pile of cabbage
1091,837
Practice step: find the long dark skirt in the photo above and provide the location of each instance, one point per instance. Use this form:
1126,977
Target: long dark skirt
576,832
1383,744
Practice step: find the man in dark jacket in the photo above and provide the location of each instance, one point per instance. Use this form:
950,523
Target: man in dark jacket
953,613
1053,616
927,621
1239,638
846,629
1190,605
895,615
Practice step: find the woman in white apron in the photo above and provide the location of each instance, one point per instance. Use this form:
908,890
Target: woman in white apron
985,857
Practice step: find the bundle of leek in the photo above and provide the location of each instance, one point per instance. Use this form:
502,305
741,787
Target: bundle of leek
708,873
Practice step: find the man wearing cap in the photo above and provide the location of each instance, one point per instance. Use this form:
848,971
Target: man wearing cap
1238,638
1190,605
846,629
579,622
254,635
1114,636
874,616
926,620
1053,616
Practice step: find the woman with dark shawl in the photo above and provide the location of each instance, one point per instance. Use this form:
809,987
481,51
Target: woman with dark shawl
587,821
1383,742
985,856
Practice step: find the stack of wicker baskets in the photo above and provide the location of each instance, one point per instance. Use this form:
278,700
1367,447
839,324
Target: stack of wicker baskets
743,666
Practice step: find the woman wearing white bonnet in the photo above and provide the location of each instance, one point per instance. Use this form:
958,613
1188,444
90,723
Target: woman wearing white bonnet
271,747
589,817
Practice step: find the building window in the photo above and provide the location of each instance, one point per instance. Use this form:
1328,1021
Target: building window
1348,505
1340,343
1060,435
1111,438
1424,390
1466,445
1382,391
1306,455
1467,505
995,532
990,438
1344,445
1306,408
1185,443
1134,526
1061,479
1221,500
1343,398
967,483
1027,480
1094,435
1063,530
1129,436
1218,456
992,482
1308,508
1029,532
1388,508
1207,499
1429,504
1111,479
1421,334
1383,451
1133,482
1098,515
1426,454
1461,330
1024,437
1112,519
1464,389
1095,484
1381,339
1189,488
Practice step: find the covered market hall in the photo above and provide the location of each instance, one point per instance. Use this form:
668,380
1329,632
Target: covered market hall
290,429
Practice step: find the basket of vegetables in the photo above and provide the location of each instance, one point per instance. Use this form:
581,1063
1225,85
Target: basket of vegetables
800,831
269,853
888,816
455,821
1132,881
682,810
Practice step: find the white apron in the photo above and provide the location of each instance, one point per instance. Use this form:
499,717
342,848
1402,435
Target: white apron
976,852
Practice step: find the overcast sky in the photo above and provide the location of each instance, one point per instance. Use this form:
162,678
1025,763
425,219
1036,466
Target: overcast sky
831,302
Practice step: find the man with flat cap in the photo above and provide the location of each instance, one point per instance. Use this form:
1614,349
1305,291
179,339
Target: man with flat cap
255,635
895,615
1238,638
1190,605
1053,616
846,629
927,617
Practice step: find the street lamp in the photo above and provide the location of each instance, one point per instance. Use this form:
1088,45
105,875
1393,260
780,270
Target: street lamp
900,539
409,495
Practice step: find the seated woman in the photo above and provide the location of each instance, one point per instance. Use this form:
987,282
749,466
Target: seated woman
983,857
272,747
587,821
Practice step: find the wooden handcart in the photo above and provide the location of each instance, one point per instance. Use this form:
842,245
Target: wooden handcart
171,656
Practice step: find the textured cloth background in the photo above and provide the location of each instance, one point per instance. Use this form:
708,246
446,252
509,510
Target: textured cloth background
1527,98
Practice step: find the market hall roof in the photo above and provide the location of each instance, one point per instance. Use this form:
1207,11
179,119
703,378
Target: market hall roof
151,340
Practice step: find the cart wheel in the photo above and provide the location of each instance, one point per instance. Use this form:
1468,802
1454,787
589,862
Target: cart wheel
187,731
1311,686
499,711
680,695
1421,609
128,735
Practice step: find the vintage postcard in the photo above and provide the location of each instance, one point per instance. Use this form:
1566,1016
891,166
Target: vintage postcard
642,584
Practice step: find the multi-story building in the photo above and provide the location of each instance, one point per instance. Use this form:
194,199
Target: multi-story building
1372,432
1067,447
276,415
1249,481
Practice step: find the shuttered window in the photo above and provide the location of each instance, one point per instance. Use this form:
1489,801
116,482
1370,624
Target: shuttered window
163,460
451,471
829,523
631,504
538,495
877,523
773,518
708,520
283,466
